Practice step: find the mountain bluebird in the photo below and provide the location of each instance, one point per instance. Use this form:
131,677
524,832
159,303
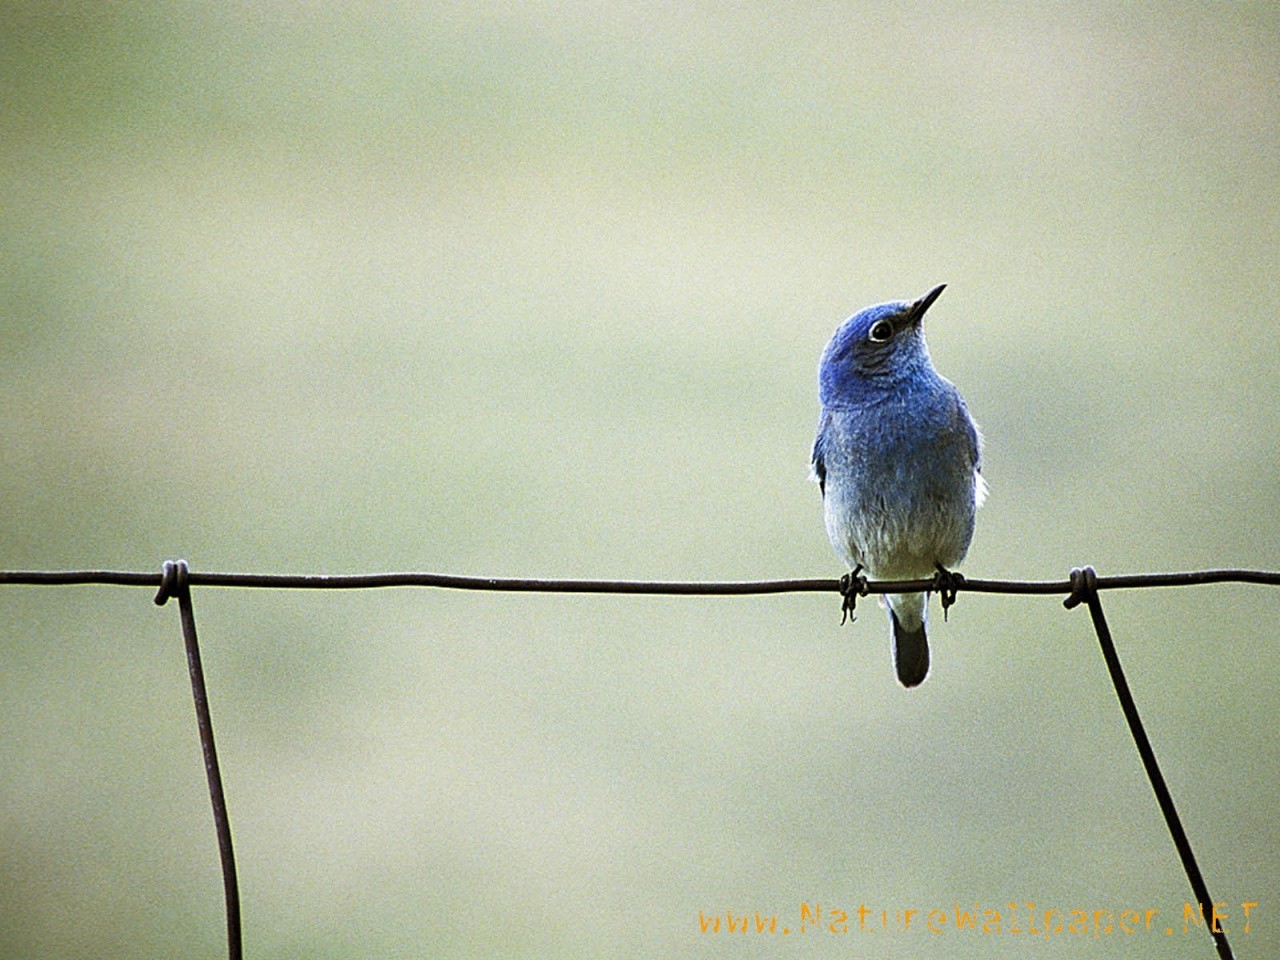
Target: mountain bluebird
897,458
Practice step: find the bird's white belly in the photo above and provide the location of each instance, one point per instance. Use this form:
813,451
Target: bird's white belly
906,541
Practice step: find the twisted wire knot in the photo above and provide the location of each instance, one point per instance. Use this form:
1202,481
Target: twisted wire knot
1084,584
173,581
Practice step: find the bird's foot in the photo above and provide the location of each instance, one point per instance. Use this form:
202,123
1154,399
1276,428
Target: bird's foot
852,586
947,583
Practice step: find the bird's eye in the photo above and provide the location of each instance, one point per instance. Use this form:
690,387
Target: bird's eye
881,332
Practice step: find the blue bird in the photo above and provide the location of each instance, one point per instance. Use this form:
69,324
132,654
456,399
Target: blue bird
897,457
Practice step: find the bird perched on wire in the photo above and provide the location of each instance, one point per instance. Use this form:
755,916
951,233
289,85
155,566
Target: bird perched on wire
897,457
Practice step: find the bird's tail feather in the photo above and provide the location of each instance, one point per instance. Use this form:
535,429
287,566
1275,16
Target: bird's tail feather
910,652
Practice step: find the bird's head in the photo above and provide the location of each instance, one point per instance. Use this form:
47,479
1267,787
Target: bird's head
874,349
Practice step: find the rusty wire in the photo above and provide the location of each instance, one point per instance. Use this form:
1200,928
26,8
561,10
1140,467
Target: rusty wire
175,580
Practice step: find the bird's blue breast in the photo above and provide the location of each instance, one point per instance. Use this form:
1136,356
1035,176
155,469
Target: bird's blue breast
899,485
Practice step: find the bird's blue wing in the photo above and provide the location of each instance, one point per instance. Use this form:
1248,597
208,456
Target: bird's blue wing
974,438
818,463
975,451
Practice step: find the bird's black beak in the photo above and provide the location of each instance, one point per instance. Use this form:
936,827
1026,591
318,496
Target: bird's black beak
924,303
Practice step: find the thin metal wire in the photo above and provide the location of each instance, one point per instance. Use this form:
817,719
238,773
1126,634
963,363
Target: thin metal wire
175,582
285,581
1084,590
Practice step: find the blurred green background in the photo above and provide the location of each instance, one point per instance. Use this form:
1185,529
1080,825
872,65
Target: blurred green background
539,290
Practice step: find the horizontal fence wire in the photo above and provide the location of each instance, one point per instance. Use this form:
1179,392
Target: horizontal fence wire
175,580
367,581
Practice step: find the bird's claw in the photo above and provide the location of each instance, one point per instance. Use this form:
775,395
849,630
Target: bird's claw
947,583
852,586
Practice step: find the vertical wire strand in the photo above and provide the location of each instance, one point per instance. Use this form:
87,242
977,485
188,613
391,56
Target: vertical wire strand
174,583
1084,589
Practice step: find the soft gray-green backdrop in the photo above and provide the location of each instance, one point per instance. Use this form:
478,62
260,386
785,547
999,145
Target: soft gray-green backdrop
539,289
